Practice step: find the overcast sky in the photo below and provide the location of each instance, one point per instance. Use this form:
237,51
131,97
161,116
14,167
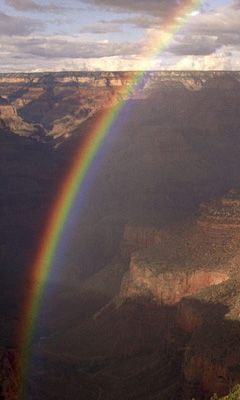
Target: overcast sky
56,35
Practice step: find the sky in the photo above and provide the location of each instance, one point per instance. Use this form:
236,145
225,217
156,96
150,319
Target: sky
61,35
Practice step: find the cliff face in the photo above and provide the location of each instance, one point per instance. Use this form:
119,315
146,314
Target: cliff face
211,358
222,215
61,102
7,111
9,119
192,80
196,270
166,287
181,262
176,315
178,146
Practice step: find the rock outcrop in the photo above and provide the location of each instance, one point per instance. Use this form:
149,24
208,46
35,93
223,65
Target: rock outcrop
9,119
222,215
166,287
196,269
179,263
233,395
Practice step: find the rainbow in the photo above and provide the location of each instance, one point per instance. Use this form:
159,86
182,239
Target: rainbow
72,185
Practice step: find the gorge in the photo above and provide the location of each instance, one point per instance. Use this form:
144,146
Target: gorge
144,302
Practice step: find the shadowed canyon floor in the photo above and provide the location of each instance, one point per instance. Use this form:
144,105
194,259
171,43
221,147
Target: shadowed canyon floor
144,303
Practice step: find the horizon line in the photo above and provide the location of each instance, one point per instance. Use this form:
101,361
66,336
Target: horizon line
120,71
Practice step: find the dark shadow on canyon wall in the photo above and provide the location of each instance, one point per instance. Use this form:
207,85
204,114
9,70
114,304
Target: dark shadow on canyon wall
166,156
137,350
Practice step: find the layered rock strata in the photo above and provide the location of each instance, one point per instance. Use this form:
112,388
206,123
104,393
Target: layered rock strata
9,119
196,269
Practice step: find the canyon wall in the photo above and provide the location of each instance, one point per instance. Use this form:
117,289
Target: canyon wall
10,120
164,162
166,287
203,290
172,265
175,321
60,102
193,80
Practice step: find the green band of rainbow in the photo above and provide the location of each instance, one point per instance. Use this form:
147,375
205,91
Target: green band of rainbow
72,185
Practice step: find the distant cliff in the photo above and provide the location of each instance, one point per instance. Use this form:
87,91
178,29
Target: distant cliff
61,102
193,80
10,120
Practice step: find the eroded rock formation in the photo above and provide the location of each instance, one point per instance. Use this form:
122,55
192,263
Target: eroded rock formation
165,332
166,287
10,120
61,102
179,302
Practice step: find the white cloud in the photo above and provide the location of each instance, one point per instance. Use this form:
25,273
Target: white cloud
209,39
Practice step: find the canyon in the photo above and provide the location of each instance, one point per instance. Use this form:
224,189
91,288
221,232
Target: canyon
60,102
144,301
178,298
